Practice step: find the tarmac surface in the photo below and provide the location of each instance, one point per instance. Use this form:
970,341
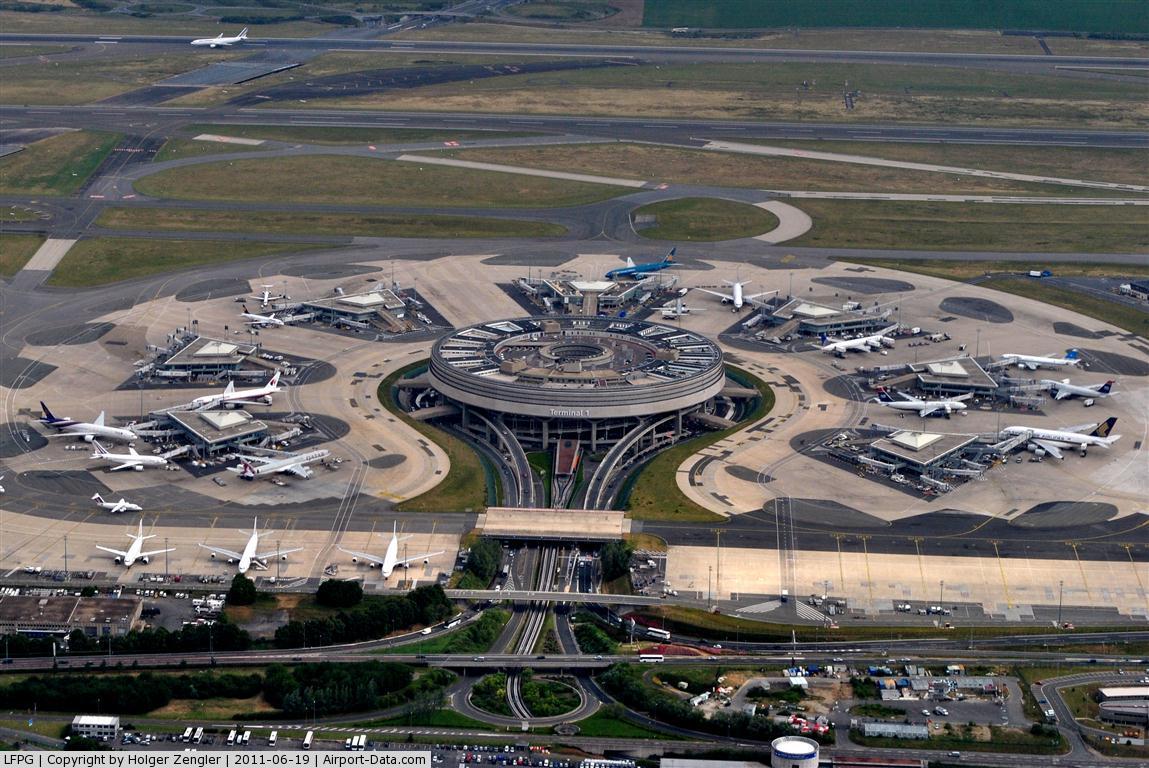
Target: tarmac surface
977,309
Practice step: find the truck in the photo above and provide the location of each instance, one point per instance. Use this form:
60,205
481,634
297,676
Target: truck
785,596
1040,273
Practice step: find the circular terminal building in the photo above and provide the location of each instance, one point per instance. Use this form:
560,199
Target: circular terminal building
597,380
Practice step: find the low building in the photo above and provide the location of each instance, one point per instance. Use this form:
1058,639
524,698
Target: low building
1125,712
213,432
100,728
808,318
896,730
41,616
203,356
1123,692
953,376
920,451
380,309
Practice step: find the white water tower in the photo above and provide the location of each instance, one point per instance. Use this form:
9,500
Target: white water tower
794,752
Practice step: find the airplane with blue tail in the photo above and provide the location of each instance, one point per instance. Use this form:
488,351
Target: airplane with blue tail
634,271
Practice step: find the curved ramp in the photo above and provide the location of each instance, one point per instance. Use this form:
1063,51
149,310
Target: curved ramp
792,222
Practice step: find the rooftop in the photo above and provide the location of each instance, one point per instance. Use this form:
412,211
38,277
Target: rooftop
921,448
202,350
218,426
33,609
960,371
1125,692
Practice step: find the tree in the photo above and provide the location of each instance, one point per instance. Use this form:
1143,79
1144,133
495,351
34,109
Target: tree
242,591
339,593
615,558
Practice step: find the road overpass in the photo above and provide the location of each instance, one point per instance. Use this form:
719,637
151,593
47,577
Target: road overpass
527,596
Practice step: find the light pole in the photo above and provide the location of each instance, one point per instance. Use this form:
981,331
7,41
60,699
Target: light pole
709,593
167,562
941,591
1060,592
65,557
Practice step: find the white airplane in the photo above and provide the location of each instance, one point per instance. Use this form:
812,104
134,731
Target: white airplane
1033,362
130,460
677,309
839,347
737,297
115,507
265,296
221,41
923,407
250,555
390,558
252,467
256,319
1053,440
133,553
2,487
85,430
239,397
1062,390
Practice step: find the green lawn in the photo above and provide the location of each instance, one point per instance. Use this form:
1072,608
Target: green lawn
55,166
878,224
18,51
443,718
608,724
654,494
1120,16
465,486
1120,315
476,638
303,223
547,698
178,149
15,250
365,181
85,23
344,136
706,219
105,260
490,694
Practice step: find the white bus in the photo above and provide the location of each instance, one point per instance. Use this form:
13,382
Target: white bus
661,634
651,658
360,743
246,738
187,735
198,737
310,737
272,738
231,738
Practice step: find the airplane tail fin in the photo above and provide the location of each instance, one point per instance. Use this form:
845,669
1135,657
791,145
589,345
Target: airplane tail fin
99,422
243,35
48,418
97,497
1104,388
1104,428
229,388
884,395
1071,354
100,450
823,338
629,262
274,380
669,258
248,470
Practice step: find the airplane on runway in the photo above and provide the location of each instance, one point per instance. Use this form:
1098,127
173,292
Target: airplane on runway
861,344
265,296
923,407
115,507
221,41
250,555
252,467
390,558
260,320
634,271
737,297
1033,362
1053,440
134,552
89,432
130,460
238,397
677,309
1062,390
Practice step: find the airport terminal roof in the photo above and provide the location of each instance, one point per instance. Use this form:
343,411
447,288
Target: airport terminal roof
921,448
962,371
206,351
36,611
214,427
360,303
1124,692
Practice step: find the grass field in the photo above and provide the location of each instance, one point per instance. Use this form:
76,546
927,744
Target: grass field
443,718
17,51
465,486
51,728
58,165
974,227
704,219
654,494
1068,15
1110,312
210,709
774,91
727,169
607,724
965,270
80,23
358,181
15,250
178,149
103,260
371,225
345,136
84,81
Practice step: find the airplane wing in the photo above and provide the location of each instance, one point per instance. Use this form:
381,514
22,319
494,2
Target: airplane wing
1082,427
277,553
254,459
126,464
719,294
1062,394
69,434
222,551
113,551
927,410
155,552
363,556
299,470
119,506
1050,448
418,557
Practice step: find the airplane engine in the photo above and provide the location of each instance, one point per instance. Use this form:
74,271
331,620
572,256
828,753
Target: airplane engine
145,559
1084,449
283,557
266,399
139,467
231,561
1035,449
355,559
372,565
117,560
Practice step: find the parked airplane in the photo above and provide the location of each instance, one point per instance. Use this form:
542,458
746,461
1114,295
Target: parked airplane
737,297
237,397
250,555
1062,390
252,467
2,487
839,347
1033,362
89,432
635,271
1053,440
134,552
261,320
265,296
923,407
130,460
115,507
677,309
390,558
221,41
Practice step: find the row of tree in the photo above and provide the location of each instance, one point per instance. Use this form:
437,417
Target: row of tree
483,563
370,620
222,636
128,694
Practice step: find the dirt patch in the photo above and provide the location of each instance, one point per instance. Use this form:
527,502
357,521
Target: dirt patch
211,709
629,14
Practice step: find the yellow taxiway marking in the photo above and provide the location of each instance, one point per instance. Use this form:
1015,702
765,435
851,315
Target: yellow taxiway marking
869,581
1133,565
1001,570
1081,569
